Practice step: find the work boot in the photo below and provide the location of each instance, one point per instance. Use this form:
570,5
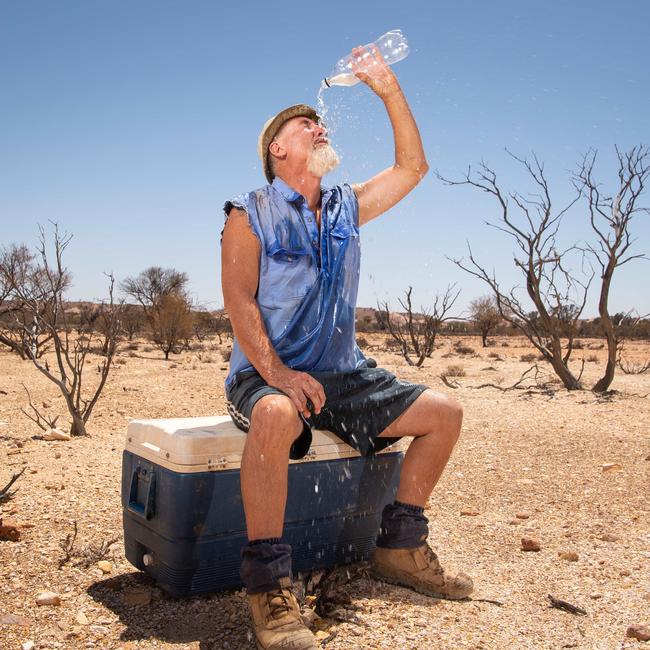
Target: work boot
419,569
277,621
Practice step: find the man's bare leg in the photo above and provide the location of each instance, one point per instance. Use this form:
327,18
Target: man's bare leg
266,562
435,420
402,555
265,464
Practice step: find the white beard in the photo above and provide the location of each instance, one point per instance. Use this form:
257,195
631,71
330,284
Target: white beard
323,160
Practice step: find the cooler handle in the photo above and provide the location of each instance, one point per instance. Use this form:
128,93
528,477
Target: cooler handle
142,509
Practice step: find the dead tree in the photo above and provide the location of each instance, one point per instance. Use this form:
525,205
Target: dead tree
152,284
611,218
558,296
42,295
485,314
416,336
19,331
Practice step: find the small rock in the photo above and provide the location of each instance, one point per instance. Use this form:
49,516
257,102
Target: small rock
611,467
9,531
48,598
98,629
625,573
13,619
514,522
640,632
529,544
321,634
522,515
56,434
81,618
57,454
28,645
105,566
469,513
609,537
595,595
569,556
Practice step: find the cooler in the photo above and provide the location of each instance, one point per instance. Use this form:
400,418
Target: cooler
182,511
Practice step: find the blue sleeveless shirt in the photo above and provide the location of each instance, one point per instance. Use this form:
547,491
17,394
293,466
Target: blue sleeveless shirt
308,280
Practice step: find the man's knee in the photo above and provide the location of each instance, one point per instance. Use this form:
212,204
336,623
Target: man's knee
275,421
447,413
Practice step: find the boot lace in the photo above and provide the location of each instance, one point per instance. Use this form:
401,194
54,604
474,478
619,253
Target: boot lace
279,602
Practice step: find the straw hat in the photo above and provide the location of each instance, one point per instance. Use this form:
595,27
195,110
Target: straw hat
271,128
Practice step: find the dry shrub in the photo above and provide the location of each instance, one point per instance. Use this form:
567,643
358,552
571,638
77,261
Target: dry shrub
225,355
592,358
362,342
529,357
464,349
205,357
132,346
120,361
132,353
391,345
505,344
454,370
578,345
495,355
147,348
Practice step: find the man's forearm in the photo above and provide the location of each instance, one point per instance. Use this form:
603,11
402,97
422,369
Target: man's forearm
250,332
409,152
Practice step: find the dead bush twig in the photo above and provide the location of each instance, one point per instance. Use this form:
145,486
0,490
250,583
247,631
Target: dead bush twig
450,384
4,493
566,607
93,554
43,422
67,546
534,374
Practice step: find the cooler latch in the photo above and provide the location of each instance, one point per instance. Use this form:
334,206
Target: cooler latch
217,463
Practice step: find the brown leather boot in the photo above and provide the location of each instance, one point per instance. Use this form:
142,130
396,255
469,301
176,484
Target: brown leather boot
277,622
419,569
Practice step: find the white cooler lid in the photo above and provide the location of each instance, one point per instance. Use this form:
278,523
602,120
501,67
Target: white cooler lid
214,443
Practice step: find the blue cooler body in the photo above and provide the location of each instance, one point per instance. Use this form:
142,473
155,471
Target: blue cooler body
183,516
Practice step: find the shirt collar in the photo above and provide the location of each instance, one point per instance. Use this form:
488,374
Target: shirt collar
291,195
288,193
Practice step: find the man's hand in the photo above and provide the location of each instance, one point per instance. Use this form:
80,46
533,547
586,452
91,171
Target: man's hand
368,65
299,387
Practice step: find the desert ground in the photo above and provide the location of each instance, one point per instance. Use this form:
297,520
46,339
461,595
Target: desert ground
569,470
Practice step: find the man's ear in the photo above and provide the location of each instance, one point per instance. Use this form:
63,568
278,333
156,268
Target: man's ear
277,150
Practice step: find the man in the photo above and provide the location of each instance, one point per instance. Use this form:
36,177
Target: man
290,269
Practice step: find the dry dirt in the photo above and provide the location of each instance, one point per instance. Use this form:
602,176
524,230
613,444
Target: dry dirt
534,453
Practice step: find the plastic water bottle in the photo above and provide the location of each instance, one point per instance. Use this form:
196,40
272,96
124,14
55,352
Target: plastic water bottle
393,46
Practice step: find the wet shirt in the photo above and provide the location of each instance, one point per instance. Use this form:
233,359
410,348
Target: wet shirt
308,280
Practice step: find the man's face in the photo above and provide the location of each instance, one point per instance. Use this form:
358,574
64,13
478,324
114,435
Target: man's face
306,144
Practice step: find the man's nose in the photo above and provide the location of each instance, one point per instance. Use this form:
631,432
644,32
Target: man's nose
321,131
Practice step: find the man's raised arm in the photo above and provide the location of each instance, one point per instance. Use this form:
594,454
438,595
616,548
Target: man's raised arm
388,187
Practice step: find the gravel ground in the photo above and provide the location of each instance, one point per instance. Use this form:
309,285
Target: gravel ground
568,470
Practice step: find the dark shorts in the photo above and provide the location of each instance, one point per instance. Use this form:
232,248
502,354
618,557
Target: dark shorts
359,405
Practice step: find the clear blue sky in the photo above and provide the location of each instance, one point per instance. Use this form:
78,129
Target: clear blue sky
130,123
